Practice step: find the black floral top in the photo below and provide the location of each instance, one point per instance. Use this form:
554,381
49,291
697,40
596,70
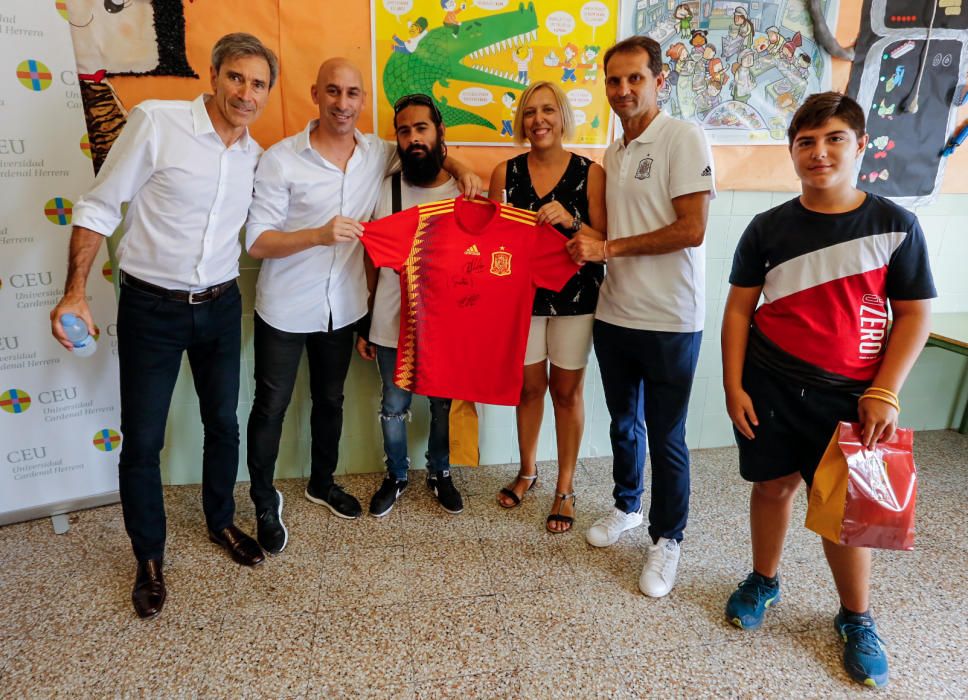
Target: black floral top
580,295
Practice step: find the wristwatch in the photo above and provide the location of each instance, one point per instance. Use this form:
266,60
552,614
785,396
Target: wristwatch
576,222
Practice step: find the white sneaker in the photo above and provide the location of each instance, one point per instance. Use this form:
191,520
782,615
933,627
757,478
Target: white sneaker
607,530
659,572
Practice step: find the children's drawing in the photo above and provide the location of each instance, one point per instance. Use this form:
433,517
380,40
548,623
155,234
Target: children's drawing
134,37
909,57
739,68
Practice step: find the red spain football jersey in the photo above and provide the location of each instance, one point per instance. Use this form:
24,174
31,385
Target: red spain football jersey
468,273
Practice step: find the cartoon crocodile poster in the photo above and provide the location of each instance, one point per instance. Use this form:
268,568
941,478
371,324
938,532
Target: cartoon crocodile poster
476,61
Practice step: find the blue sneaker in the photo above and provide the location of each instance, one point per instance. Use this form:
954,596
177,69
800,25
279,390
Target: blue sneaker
864,655
746,607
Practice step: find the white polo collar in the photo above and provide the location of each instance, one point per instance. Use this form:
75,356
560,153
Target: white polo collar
652,132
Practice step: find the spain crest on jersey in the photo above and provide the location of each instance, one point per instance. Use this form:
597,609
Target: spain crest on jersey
501,263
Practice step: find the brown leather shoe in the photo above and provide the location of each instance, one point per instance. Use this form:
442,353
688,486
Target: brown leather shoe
149,592
242,548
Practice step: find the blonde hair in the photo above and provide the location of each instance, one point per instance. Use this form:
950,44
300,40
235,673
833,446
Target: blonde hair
564,108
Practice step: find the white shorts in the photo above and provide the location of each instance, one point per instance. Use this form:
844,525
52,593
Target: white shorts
565,340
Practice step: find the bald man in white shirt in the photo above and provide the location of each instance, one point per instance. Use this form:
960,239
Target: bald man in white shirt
311,191
186,171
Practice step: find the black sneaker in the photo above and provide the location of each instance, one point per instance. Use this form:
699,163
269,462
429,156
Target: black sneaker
270,530
390,490
447,494
342,504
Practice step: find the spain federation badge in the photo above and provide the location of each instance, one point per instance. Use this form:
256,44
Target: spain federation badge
501,263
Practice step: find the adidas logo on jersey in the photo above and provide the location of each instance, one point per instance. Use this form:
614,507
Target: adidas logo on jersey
708,172
472,250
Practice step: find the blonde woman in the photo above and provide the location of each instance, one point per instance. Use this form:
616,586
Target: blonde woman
568,192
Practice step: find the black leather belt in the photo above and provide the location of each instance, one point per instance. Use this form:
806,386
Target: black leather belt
197,297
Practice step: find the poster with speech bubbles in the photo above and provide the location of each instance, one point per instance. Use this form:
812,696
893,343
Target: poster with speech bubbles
476,57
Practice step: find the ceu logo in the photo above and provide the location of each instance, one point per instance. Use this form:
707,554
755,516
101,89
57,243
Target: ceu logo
34,75
86,145
107,440
61,6
107,270
58,210
15,401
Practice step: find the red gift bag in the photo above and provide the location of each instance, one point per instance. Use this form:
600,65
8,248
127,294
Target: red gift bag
865,498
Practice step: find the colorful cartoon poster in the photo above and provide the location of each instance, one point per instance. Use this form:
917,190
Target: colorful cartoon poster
137,37
896,66
739,68
476,57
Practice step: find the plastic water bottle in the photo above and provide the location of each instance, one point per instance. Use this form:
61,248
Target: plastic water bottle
76,331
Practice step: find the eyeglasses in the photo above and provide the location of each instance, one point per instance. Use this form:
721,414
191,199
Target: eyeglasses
418,98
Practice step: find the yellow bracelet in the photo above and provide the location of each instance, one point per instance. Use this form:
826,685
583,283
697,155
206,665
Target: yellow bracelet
873,391
886,392
885,399
605,251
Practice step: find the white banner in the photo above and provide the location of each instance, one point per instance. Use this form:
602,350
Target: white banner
59,414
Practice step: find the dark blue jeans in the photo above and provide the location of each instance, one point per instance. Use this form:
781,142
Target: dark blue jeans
394,413
277,355
152,335
647,377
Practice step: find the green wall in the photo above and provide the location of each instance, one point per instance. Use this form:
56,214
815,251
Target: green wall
932,398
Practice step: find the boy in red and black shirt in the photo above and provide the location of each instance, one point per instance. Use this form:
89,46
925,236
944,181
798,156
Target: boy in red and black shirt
828,265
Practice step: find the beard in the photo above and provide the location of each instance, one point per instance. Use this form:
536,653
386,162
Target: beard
422,165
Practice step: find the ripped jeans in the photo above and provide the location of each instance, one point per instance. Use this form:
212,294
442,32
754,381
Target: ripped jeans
394,414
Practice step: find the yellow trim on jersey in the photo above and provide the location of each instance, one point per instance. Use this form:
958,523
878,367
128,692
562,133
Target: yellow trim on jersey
527,213
436,203
434,211
519,219
408,341
441,206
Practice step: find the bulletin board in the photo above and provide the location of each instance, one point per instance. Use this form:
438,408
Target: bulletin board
304,35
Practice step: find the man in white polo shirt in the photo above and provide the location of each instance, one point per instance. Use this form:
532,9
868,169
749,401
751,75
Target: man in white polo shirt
311,191
186,170
648,324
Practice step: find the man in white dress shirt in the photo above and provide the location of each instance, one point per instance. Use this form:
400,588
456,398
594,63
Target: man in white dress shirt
311,191
186,169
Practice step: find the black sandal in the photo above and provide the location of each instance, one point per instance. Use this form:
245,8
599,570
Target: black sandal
558,517
533,478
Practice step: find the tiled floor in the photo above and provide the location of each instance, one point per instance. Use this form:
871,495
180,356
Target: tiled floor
423,604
